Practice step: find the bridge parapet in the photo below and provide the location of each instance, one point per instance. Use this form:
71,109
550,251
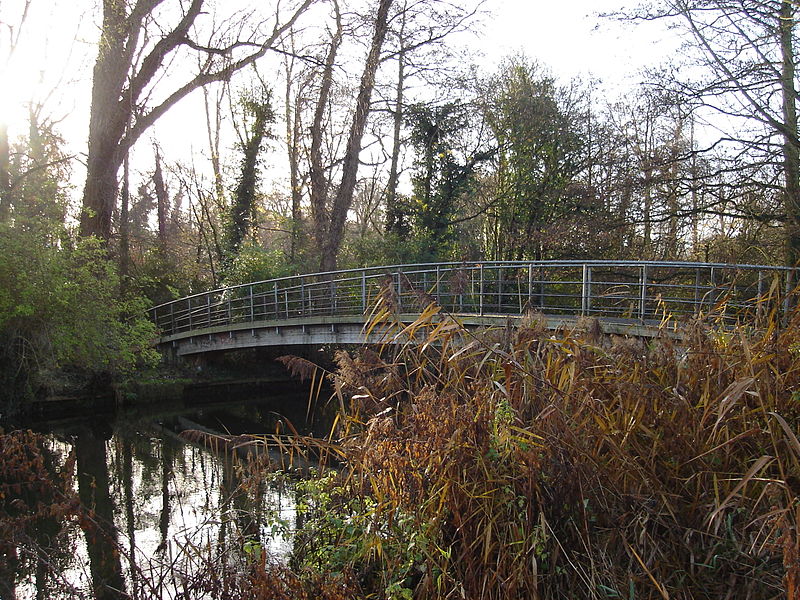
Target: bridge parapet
624,291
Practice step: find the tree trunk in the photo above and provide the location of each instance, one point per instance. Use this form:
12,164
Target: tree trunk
350,164
791,151
162,205
120,81
5,175
107,123
394,215
695,198
241,217
319,180
124,225
293,132
647,207
213,131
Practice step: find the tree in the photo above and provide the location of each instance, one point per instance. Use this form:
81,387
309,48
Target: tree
536,126
443,175
745,51
318,175
331,233
241,215
37,171
293,101
418,39
12,32
650,167
403,31
134,53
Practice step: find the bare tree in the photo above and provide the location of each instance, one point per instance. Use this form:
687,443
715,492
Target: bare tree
745,50
329,245
293,105
12,32
317,172
135,52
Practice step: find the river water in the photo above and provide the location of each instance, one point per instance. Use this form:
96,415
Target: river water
163,509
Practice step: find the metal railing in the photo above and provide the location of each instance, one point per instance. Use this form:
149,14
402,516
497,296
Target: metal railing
639,291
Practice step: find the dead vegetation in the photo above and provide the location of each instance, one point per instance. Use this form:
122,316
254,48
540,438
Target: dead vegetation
524,464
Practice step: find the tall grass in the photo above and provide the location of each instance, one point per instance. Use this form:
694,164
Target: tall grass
523,463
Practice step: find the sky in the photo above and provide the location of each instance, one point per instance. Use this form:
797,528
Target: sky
570,38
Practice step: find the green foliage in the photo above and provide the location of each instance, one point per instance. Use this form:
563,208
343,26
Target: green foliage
378,248
444,177
60,308
162,277
537,128
345,533
241,216
38,170
254,263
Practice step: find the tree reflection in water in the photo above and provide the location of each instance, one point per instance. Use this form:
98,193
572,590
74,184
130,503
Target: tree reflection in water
98,525
153,511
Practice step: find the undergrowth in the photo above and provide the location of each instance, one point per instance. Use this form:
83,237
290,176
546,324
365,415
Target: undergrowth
523,463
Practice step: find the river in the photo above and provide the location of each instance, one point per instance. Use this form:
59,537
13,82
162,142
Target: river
164,496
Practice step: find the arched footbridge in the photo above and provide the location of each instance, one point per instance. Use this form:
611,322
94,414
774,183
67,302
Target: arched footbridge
627,297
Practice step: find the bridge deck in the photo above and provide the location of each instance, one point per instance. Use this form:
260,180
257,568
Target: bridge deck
628,297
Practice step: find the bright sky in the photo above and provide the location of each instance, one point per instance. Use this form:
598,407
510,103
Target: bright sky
570,38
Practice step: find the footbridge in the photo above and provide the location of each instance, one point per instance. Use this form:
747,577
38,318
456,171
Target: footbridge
627,298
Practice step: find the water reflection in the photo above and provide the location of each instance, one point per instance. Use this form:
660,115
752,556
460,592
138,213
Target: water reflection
162,513
99,527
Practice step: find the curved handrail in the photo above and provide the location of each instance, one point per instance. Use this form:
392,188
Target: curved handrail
622,290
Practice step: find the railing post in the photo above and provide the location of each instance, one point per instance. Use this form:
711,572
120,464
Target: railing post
438,289
191,321
303,296
530,286
499,280
332,292
715,294
541,288
480,290
790,275
252,308
586,290
697,291
173,329
208,309
643,293
275,290
286,301
228,309
399,294
363,292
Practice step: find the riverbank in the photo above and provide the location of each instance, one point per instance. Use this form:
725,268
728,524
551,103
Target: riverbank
236,374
